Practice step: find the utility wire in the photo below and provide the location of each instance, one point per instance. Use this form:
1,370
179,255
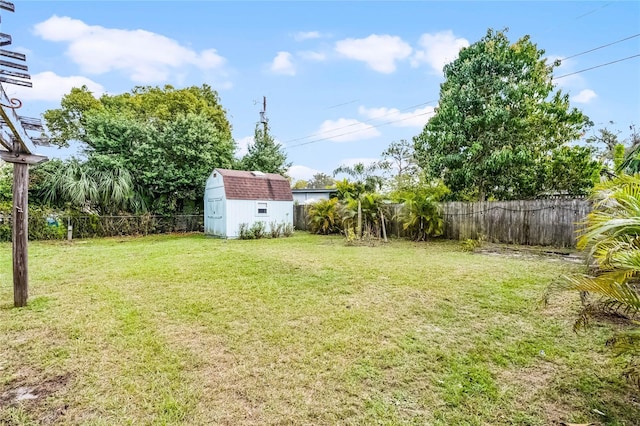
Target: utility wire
431,112
435,100
362,122
600,47
596,66
359,130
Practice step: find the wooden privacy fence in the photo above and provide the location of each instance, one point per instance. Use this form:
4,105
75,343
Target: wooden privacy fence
545,222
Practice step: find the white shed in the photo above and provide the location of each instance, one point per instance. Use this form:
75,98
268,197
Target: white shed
232,197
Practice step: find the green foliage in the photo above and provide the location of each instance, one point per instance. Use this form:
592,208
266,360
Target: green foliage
606,142
420,214
364,215
259,230
611,237
401,157
265,155
145,103
324,216
618,156
471,244
348,190
84,187
275,229
300,184
44,223
321,181
572,171
6,181
497,119
631,162
364,177
168,140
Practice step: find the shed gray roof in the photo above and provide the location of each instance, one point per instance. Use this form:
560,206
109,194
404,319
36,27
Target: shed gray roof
244,185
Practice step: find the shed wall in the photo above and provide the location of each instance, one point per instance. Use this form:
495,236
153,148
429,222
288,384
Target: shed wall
246,211
215,216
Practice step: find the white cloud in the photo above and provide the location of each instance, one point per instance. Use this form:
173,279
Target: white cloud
438,49
380,52
346,130
585,96
242,146
416,118
302,172
145,56
306,35
283,64
48,86
310,55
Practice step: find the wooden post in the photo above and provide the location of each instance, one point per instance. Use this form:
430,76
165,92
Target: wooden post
20,216
384,228
359,230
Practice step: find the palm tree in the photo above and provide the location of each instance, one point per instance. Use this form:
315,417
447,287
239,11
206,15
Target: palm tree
611,237
89,188
421,215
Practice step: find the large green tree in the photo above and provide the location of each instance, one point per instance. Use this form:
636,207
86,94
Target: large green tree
265,155
498,118
168,140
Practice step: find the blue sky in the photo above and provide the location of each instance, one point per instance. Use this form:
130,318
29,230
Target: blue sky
342,79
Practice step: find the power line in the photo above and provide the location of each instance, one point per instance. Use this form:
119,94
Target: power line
361,122
435,100
359,130
431,112
600,47
596,66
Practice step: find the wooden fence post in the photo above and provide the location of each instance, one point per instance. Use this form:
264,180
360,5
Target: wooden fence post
20,234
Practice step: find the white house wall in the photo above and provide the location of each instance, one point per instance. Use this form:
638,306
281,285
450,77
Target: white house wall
246,211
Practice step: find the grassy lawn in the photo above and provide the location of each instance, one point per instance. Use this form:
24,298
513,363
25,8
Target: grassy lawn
305,330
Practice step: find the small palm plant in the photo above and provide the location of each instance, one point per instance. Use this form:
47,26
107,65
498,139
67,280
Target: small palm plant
324,216
421,216
611,237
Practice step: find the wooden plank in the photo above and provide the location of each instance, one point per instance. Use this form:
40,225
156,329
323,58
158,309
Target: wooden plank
21,158
5,39
8,64
15,74
20,217
7,5
16,82
12,121
28,123
13,55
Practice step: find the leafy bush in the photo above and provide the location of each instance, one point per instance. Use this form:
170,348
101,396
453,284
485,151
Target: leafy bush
259,230
244,232
275,229
324,216
287,230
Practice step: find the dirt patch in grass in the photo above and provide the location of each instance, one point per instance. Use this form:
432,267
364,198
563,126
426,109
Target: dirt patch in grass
32,397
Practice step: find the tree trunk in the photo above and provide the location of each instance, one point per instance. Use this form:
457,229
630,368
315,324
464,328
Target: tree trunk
20,233
359,230
384,229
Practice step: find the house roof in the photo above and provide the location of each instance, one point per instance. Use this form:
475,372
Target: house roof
243,185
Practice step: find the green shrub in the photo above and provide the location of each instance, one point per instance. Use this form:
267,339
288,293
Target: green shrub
259,230
287,230
275,229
